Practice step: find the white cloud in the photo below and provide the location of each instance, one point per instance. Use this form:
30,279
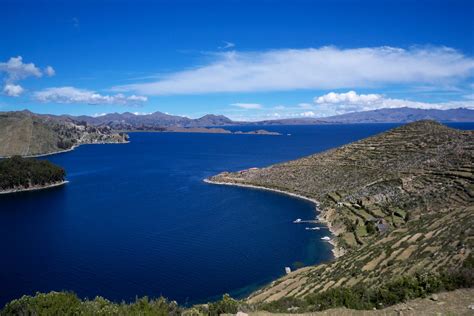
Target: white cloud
49,71
308,114
75,95
349,97
340,103
320,68
248,106
12,90
15,70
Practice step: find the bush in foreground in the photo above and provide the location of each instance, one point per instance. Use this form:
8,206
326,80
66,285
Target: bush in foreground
66,303
359,297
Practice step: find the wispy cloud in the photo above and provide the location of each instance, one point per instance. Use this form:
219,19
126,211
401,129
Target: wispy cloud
142,113
248,106
226,45
320,68
75,95
305,105
15,70
49,71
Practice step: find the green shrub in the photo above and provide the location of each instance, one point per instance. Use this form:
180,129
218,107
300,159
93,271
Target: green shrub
66,303
226,305
393,292
53,303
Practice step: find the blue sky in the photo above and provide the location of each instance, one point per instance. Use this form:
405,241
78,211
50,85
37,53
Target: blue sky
244,59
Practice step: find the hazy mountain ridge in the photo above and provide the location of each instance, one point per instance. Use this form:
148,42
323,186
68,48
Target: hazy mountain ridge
128,121
396,115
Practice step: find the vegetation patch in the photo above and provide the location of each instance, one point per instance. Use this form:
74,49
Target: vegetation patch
21,173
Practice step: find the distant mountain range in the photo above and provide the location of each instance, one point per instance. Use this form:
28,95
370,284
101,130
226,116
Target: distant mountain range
159,121
398,115
128,121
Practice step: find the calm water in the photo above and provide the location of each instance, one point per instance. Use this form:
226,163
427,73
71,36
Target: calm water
136,219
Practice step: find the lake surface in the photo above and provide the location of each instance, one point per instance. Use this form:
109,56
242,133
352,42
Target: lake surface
136,219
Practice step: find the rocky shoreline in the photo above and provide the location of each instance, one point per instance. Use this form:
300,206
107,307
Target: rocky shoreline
73,148
34,188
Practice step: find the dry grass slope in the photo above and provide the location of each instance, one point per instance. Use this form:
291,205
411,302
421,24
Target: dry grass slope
25,134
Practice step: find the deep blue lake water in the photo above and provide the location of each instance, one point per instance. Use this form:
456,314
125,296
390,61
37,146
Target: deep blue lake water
136,219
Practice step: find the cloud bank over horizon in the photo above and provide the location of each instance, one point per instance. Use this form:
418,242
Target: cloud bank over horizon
334,103
352,102
74,95
313,68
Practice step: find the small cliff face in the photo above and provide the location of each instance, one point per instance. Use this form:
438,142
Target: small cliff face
26,134
399,202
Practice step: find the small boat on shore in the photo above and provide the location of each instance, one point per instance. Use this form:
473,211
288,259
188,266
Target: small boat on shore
326,238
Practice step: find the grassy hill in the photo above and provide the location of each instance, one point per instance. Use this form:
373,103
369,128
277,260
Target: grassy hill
26,134
399,203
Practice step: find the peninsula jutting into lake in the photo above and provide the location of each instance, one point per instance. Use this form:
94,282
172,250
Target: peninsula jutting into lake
404,197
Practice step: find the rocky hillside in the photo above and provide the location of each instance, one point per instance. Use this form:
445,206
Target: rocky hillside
26,134
398,203
157,121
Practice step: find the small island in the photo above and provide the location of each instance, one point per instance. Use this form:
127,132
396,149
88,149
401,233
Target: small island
202,130
26,174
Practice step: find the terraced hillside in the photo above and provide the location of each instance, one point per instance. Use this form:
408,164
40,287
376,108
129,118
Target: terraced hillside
398,203
26,134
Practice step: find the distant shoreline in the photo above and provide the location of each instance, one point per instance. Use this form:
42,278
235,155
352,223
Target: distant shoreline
65,150
205,130
337,251
34,188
